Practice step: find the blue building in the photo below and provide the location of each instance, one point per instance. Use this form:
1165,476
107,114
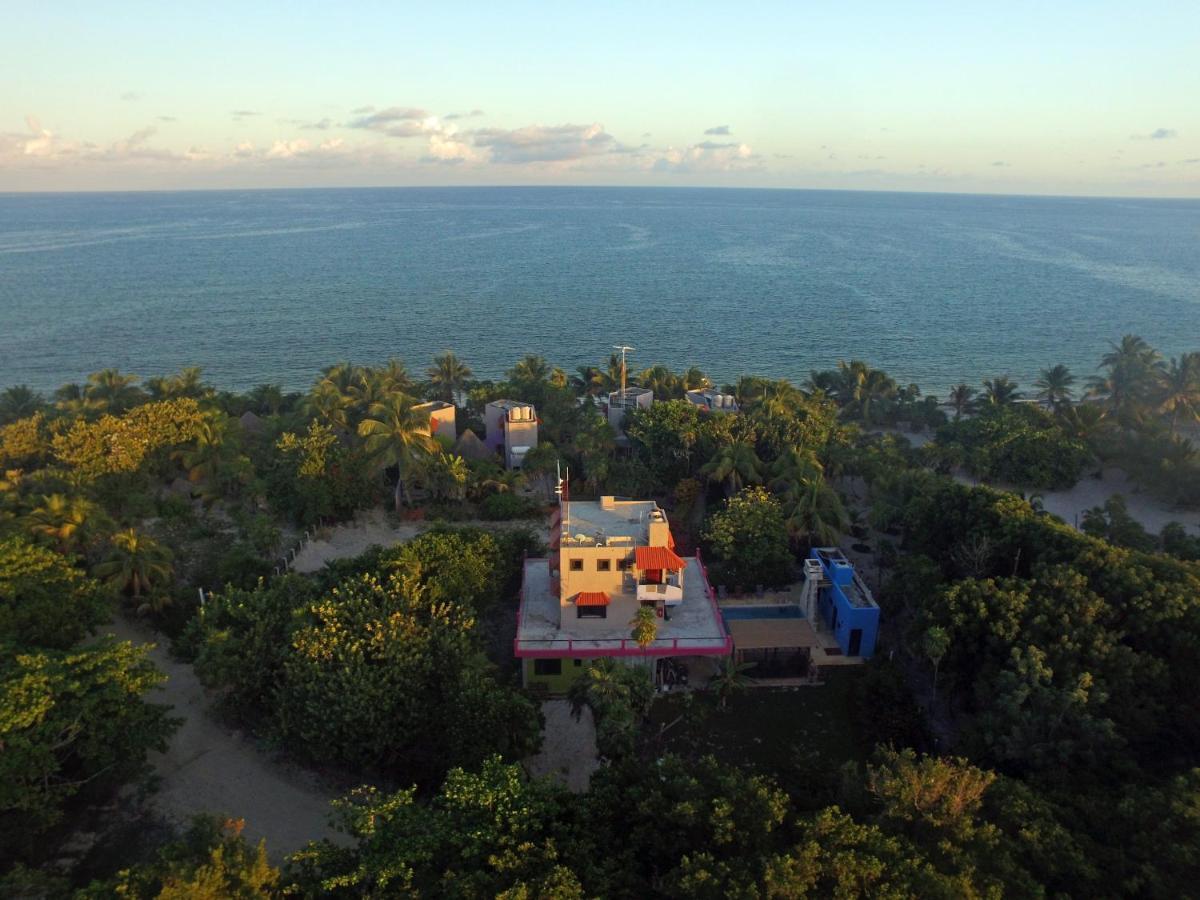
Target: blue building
843,601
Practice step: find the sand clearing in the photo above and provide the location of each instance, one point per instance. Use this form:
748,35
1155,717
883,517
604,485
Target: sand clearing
1070,505
568,753
210,769
372,528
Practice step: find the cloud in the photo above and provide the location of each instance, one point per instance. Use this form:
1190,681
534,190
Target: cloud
473,114
240,114
545,143
322,125
1158,134
166,118
1190,162
396,121
708,156
718,130
1000,164
130,96
362,110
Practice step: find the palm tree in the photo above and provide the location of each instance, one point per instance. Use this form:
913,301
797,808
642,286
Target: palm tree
397,434
645,626
1054,386
189,382
267,399
588,381
962,399
72,400
730,678
600,685
862,390
111,392
695,380
662,381
207,457
1131,371
1000,391
19,402
445,475
136,564
393,377
1179,390
449,375
530,369
815,513
64,521
330,405
735,465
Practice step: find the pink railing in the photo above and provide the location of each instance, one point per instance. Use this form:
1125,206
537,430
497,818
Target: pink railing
622,647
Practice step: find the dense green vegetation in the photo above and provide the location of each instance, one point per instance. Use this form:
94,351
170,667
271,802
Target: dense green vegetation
1030,726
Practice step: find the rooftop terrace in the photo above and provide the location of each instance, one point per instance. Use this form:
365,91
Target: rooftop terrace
694,629
595,524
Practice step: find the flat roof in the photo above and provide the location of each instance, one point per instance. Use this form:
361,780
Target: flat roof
771,633
510,404
695,626
626,518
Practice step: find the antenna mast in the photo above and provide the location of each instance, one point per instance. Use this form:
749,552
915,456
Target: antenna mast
561,488
623,350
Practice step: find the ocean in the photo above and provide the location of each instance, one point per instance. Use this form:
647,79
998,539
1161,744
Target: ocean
271,286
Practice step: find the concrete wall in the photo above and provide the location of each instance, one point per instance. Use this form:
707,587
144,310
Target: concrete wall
554,684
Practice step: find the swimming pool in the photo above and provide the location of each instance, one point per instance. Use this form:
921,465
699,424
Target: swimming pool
778,611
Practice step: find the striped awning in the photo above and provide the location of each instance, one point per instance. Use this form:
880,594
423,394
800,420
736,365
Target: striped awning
591,598
657,558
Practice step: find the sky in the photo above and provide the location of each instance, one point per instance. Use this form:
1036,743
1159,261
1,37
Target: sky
1072,97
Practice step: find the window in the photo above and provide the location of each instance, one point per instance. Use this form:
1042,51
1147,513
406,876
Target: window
577,565
578,663
625,564
591,612
603,565
547,667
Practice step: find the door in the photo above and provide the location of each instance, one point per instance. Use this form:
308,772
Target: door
855,642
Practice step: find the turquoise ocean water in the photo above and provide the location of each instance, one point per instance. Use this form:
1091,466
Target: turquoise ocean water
272,285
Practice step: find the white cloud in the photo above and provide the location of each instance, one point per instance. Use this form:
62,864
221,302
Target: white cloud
541,143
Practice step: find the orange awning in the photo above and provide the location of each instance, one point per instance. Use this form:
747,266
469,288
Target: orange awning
657,558
591,598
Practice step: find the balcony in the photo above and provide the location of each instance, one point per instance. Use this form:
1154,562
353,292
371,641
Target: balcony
669,593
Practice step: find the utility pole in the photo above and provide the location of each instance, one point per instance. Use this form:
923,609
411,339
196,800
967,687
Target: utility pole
623,350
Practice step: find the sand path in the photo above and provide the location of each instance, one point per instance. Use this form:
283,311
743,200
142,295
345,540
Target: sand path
209,768
568,753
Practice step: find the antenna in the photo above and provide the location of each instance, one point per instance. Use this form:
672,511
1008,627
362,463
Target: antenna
623,350
561,488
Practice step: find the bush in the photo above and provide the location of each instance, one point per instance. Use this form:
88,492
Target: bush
1019,444
503,507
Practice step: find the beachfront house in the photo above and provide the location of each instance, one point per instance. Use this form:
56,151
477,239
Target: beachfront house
842,601
442,418
609,559
621,402
710,400
511,429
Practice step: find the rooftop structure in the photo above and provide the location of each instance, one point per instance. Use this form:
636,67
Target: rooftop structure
839,596
511,429
442,418
711,400
620,402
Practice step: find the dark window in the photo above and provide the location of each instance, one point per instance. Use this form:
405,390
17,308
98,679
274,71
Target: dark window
624,564
603,565
547,667
577,565
592,612
578,663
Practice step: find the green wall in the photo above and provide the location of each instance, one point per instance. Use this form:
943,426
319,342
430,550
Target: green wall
555,684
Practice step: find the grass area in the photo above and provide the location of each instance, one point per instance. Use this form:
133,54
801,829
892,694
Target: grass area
772,730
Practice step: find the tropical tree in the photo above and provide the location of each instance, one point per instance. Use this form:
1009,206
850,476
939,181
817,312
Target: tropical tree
188,382
71,400
330,405
445,475
934,645
449,375
735,465
861,390
112,392
19,402
645,626
1179,390
1054,386
266,399
730,678
748,540
588,381
814,513
1000,391
397,434
662,381
962,397
695,380
136,564
64,521
1131,371
530,369
393,377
